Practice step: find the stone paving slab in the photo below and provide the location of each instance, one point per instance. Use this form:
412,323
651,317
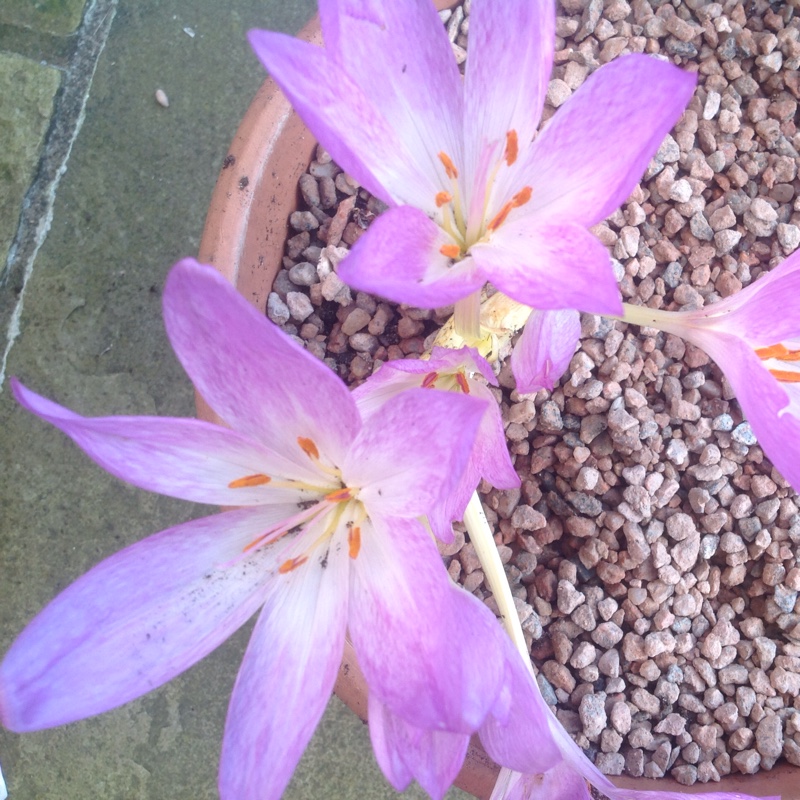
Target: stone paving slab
59,17
27,92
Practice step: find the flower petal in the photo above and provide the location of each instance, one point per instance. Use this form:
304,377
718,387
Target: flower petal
543,352
401,58
577,168
560,782
399,258
413,451
286,678
136,620
510,60
230,352
183,458
550,266
429,651
339,114
405,751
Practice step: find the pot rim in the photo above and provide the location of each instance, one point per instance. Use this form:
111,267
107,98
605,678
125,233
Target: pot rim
258,183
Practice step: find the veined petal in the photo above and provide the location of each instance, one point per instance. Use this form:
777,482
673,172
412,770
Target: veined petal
341,116
223,344
545,348
399,258
549,266
429,651
510,60
401,58
183,458
404,751
490,451
412,451
286,678
560,782
577,168
136,620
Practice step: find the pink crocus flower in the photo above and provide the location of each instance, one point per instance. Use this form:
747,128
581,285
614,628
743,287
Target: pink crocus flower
475,194
754,336
325,539
456,371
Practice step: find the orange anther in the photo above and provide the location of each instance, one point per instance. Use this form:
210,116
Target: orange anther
461,380
308,447
522,196
292,563
249,480
442,198
778,351
354,541
429,380
512,147
450,250
785,375
339,495
500,217
449,166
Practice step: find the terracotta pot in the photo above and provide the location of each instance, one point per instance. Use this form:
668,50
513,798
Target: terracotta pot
244,237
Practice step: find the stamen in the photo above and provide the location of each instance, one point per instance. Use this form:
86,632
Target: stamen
450,250
449,166
512,147
519,199
429,380
778,351
442,198
292,563
308,447
461,380
786,376
339,495
249,480
354,541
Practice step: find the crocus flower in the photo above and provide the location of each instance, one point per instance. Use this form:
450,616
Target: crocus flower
325,538
754,336
450,370
474,194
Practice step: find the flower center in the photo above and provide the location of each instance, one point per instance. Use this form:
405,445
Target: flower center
448,381
323,509
455,221
782,363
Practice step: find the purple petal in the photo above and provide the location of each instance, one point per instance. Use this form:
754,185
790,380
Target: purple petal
543,352
413,450
560,782
183,458
579,168
550,267
510,60
286,679
230,352
429,651
404,751
136,620
399,259
401,59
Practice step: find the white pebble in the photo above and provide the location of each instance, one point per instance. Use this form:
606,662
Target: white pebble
161,98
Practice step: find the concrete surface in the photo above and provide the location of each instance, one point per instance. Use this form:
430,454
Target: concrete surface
117,188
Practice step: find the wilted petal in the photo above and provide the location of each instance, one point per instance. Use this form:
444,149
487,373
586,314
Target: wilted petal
404,751
510,60
229,350
413,450
183,458
401,58
550,266
595,149
429,651
136,620
560,782
545,348
399,259
286,678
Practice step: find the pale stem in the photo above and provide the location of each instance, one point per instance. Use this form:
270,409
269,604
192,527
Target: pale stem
480,534
467,318
647,317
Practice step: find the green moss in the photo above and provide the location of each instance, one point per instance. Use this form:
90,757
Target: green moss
59,17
